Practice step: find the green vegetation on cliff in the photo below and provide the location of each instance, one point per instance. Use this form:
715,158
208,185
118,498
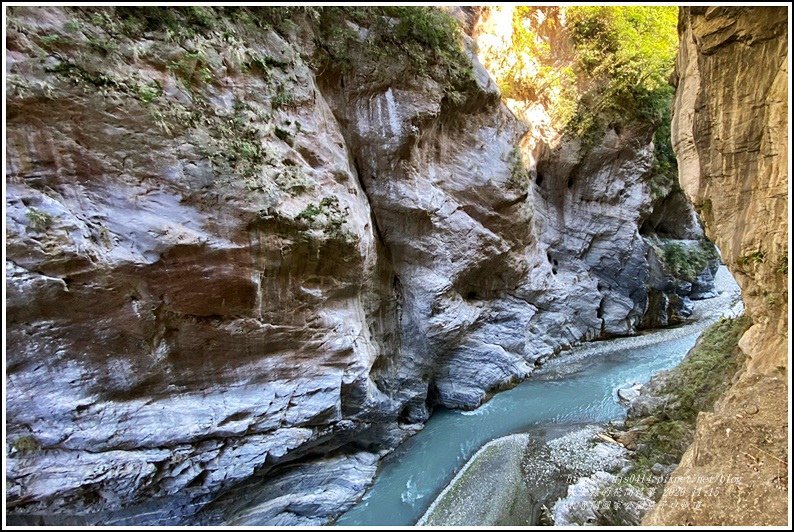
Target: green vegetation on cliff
118,53
26,444
686,262
628,54
707,370
693,386
539,71
665,431
386,40
615,73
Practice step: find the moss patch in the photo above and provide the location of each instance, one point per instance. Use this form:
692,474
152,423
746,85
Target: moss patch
26,444
328,216
519,175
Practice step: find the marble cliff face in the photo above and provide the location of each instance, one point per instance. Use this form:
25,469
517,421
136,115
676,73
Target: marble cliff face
730,133
224,258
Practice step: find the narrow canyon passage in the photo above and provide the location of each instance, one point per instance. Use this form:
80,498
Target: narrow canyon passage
295,265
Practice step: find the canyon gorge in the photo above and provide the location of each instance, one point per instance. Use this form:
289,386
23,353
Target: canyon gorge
249,251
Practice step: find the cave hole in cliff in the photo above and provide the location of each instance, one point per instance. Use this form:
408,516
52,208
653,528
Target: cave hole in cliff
405,415
417,410
433,396
675,227
570,183
92,496
539,179
554,263
472,295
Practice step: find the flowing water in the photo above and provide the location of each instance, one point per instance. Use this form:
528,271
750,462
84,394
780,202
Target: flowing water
578,386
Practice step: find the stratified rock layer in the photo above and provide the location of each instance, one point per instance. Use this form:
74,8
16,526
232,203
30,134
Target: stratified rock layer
730,136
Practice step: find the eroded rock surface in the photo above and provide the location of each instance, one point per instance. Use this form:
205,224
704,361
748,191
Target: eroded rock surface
175,324
523,479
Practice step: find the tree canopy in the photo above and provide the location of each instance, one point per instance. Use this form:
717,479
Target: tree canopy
628,52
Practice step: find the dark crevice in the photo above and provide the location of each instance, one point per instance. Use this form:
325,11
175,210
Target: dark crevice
375,225
198,480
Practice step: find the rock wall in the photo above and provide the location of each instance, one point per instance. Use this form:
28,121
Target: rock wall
174,322
596,211
233,271
730,136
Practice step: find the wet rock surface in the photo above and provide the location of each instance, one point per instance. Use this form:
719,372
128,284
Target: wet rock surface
629,394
